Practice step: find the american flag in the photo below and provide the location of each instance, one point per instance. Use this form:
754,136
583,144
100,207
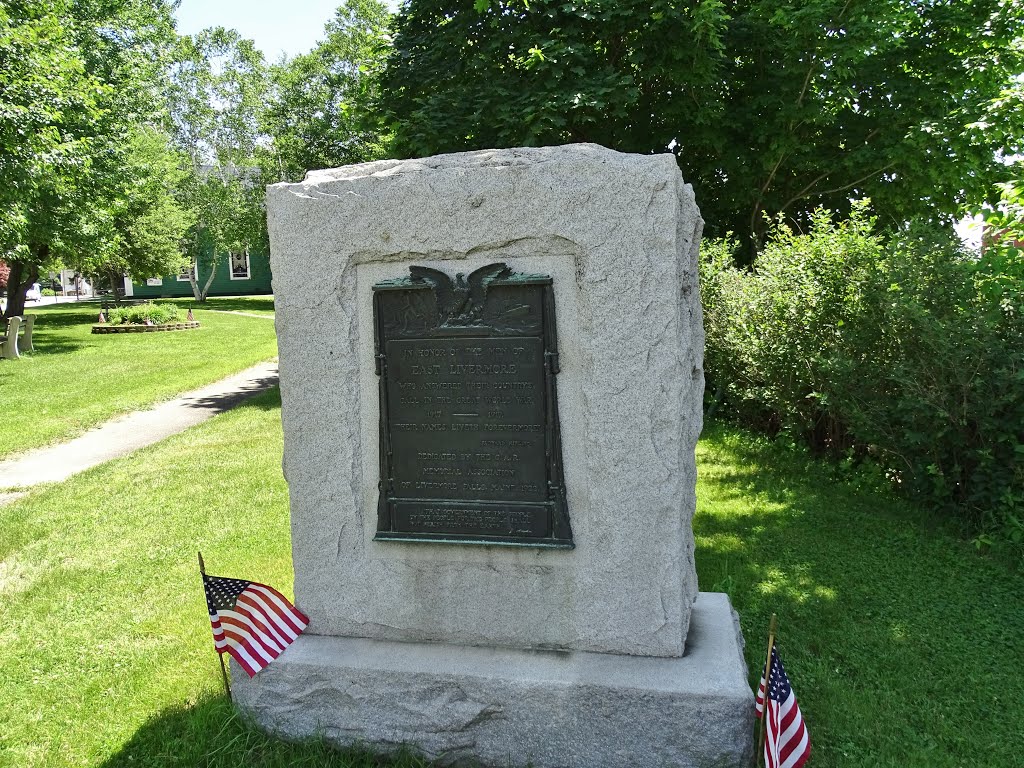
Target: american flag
787,743
252,622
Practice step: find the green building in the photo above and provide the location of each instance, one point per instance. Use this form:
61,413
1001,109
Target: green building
237,274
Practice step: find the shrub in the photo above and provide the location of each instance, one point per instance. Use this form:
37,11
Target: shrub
908,352
158,314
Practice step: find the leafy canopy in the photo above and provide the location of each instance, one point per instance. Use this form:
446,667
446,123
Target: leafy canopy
218,89
79,82
771,107
320,113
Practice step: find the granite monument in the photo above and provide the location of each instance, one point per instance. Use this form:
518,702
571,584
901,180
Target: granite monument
491,377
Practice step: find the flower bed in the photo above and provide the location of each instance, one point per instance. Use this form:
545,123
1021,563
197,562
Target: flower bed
139,328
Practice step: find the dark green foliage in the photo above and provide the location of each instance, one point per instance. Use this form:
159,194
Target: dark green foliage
471,75
771,107
155,313
909,352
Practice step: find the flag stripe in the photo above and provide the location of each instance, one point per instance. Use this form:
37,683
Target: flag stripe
281,601
787,742
275,604
246,628
800,752
234,641
255,602
759,699
247,606
252,622
245,613
241,655
243,638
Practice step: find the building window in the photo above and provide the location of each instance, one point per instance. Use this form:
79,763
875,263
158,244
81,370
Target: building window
154,281
187,273
239,265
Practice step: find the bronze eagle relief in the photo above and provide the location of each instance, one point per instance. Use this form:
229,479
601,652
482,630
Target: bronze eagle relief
491,300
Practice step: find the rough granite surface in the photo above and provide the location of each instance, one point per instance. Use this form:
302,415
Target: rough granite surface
508,708
619,233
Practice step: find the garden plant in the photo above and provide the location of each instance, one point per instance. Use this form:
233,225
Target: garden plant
157,314
904,351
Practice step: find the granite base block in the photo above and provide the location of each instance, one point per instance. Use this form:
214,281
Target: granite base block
502,707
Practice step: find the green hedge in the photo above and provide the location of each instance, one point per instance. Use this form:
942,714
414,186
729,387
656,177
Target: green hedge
908,352
158,314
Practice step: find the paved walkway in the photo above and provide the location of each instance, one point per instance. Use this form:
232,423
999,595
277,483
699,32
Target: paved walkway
129,433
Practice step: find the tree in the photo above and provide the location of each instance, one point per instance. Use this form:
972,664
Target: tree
144,224
469,75
77,78
49,107
219,86
320,114
1004,218
772,108
837,101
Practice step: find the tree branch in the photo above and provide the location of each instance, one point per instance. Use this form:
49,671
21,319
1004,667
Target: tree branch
854,183
764,188
803,192
792,127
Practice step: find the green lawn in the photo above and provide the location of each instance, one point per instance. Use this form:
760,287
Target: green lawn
904,646
257,305
75,380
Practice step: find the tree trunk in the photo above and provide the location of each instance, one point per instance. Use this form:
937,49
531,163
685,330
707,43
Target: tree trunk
20,280
209,279
112,277
200,294
197,249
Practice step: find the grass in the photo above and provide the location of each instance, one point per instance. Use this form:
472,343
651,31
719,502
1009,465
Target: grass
257,305
108,659
903,645
75,380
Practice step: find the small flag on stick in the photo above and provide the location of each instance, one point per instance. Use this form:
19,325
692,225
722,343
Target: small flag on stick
252,622
190,318
101,318
786,741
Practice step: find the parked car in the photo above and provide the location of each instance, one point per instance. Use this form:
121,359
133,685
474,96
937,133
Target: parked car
34,293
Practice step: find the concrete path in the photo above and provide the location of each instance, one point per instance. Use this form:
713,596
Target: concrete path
129,433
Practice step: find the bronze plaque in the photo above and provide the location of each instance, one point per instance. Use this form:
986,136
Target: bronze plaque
469,437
